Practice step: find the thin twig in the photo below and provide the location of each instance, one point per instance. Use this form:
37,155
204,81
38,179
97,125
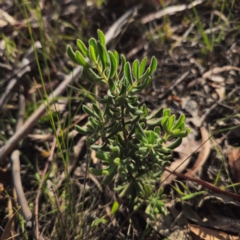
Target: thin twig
180,79
204,184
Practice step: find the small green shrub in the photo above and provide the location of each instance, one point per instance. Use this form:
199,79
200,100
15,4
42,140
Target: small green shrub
133,151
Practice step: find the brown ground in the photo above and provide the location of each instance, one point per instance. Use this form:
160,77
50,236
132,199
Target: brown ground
198,74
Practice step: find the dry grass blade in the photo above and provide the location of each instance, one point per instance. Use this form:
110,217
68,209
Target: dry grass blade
7,233
170,10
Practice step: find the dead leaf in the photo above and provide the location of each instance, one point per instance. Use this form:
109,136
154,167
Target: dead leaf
217,70
234,163
210,234
180,164
204,153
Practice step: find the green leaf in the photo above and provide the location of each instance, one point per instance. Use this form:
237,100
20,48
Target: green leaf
128,73
115,207
97,221
82,48
133,120
145,75
153,65
142,66
183,134
166,112
83,131
157,130
91,76
179,122
95,171
90,111
136,69
111,85
93,50
96,109
116,56
182,126
155,114
140,130
71,54
165,124
90,128
115,131
92,54
176,132
94,123
96,147
103,155
126,190
81,60
171,121
101,37
164,120
141,138
113,64
139,88
150,137
123,63
115,151
153,122
192,195
165,150
175,144
117,161
103,55
121,140
111,173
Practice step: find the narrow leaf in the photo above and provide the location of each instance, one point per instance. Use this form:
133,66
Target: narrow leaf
123,62
153,65
71,54
91,76
166,112
179,122
89,111
113,64
101,37
82,47
171,122
175,144
128,73
93,51
83,131
102,155
103,55
116,56
92,54
142,66
115,207
136,69
81,60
